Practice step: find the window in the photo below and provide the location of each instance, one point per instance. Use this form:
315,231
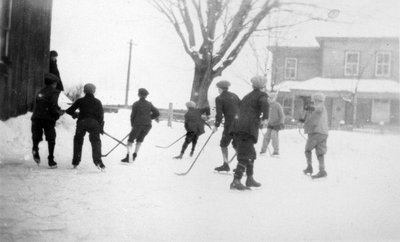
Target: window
290,68
286,105
351,64
5,20
382,64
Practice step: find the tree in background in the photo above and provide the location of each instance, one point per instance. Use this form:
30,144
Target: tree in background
213,32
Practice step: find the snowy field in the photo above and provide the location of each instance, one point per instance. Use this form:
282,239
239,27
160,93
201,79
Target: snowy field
146,201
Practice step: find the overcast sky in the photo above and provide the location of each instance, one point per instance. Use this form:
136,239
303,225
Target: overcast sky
91,37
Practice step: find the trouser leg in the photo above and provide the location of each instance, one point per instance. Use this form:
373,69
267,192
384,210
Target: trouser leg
78,142
275,141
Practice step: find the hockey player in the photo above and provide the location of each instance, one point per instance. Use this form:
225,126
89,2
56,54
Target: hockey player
275,124
91,120
53,69
227,106
246,132
142,113
316,127
45,114
194,125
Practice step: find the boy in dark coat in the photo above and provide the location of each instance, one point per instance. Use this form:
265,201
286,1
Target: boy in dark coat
91,120
44,117
227,106
194,126
53,69
143,112
316,127
246,132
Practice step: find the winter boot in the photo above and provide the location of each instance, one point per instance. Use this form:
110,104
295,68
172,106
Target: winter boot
134,155
250,182
320,174
178,156
36,156
126,159
308,170
224,167
191,153
237,185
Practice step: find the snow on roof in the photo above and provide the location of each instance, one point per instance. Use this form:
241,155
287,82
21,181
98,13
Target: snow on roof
285,86
380,86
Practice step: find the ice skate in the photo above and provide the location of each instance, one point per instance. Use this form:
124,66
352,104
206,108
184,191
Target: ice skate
320,174
52,164
308,171
126,159
237,185
250,182
178,156
224,167
36,156
101,166
134,155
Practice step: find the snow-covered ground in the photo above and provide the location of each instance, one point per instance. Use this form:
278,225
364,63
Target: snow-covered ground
146,201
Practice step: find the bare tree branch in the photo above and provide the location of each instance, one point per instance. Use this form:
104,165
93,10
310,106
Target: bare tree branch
187,20
267,7
197,6
168,12
234,31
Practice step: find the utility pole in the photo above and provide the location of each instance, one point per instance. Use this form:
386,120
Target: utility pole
129,73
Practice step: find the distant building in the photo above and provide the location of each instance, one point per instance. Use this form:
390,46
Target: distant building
352,72
24,53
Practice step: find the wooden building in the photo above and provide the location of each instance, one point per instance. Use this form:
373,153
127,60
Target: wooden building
24,49
359,76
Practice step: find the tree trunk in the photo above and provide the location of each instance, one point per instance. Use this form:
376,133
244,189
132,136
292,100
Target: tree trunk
201,82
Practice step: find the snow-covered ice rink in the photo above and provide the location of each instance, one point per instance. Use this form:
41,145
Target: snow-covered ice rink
146,201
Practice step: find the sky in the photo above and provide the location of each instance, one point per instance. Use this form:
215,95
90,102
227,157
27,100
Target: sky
92,43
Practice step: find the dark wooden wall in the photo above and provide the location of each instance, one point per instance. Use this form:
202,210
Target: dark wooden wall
29,50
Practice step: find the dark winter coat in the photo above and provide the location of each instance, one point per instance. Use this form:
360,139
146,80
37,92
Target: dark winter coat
46,104
143,112
89,108
53,69
227,105
193,121
251,107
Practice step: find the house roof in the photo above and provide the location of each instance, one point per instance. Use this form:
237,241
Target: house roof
322,39
275,48
381,88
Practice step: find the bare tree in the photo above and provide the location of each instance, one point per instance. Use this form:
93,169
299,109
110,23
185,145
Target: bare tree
213,32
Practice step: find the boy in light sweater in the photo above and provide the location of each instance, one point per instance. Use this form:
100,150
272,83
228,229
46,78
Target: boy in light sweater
316,127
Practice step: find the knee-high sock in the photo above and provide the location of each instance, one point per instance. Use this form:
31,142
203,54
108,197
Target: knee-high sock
137,147
224,151
308,157
129,148
321,162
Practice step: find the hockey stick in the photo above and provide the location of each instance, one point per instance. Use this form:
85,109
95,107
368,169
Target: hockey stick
112,137
115,146
194,161
164,147
233,157
269,151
